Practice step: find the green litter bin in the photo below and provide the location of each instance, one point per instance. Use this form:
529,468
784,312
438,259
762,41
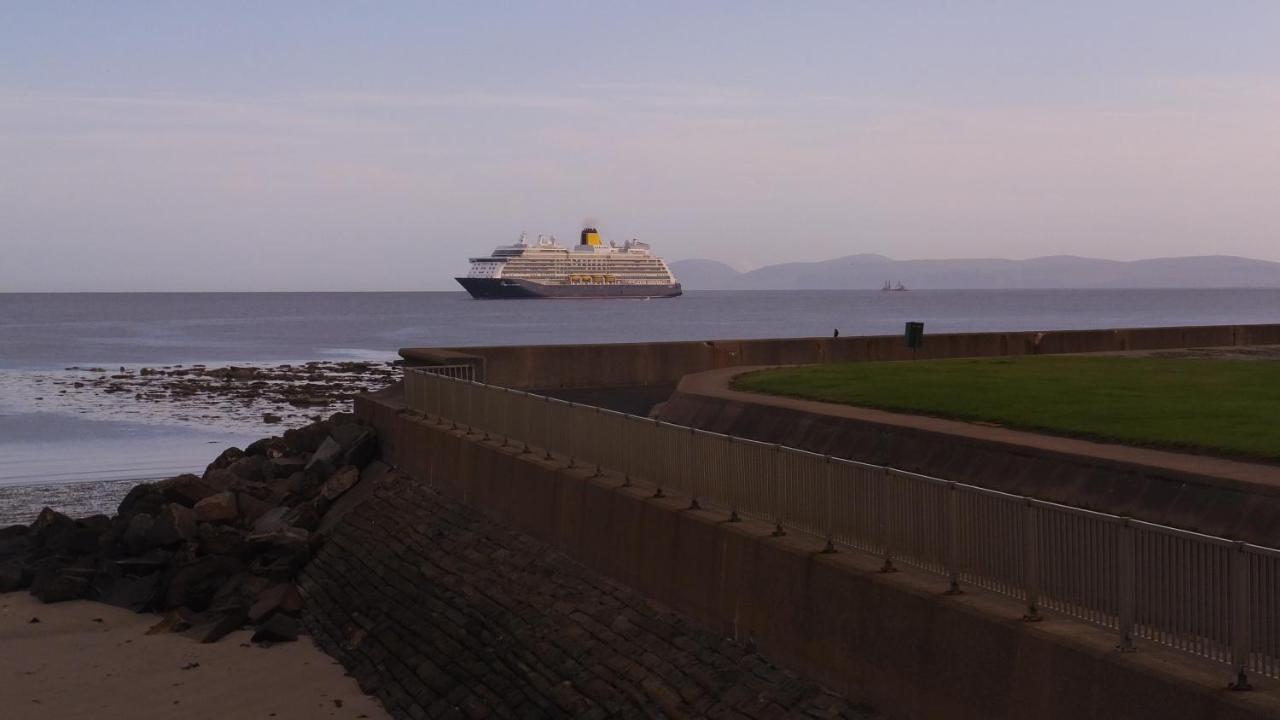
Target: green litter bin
914,334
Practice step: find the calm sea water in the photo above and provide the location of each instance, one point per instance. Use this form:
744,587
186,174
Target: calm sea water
43,442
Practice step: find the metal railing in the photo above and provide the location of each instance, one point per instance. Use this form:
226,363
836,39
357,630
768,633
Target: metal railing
1203,595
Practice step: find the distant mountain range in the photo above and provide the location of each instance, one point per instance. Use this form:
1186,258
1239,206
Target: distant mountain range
870,272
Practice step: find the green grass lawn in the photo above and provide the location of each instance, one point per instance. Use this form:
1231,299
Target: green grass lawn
1227,407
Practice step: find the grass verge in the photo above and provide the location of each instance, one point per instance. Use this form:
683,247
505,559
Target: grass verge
1229,407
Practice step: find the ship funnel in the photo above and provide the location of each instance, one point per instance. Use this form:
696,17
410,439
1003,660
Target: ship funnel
590,236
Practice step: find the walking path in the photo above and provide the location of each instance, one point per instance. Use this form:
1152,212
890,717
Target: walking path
1253,477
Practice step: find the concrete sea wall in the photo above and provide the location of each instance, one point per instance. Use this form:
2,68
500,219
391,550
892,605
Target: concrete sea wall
547,367
896,640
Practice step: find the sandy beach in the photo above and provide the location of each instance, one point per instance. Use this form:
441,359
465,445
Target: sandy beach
88,660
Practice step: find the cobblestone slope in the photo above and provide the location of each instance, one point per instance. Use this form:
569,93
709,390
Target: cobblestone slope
441,613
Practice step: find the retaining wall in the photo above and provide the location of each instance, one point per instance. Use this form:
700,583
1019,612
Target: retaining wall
627,364
895,640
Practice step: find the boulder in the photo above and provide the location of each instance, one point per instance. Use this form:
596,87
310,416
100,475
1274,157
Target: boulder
269,448
280,596
221,479
189,489
175,523
340,482
282,467
52,530
14,531
248,467
306,439
11,576
273,519
221,540
225,458
218,508
212,627
71,583
325,459
131,592
306,515
359,444
175,620
144,498
193,585
279,628
251,508
137,535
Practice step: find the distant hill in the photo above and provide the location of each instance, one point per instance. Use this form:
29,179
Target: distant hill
870,272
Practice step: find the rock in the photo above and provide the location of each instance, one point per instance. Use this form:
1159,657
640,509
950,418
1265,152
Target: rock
52,530
282,467
61,585
221,479
194,584
175,620
135,593
11,576
189,489
221,540
225,458
279,628
271,418
340,482
144,498
173,524
302,485
306,516
325,459
248,467
217,626
218,508
280,596
273,519
269,448
251,508
358,442
291,539
306,439
137,535
94,522
14,531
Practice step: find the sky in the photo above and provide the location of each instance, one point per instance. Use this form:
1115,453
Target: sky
376,146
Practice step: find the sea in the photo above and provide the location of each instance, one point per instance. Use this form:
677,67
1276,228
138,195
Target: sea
81,451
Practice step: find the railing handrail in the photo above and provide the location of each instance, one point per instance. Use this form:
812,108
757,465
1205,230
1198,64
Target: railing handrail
1090,565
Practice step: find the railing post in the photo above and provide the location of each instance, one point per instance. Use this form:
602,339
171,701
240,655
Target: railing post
689,468
952,512
504,411
886,537
778,531
829,474
657,431
1031,561
734,482
628,451
599,471
1238,584
470,393
1127,584
546,425
526,406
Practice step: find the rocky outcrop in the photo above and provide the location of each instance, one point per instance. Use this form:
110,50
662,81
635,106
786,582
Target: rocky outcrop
213,551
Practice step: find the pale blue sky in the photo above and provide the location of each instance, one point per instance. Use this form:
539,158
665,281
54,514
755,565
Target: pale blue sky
350,145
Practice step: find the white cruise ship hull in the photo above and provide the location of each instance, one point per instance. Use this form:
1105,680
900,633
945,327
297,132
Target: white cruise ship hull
511,288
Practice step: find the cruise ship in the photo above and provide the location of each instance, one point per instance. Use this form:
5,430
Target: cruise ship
590,269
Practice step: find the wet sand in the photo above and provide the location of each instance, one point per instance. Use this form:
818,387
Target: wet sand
88,660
